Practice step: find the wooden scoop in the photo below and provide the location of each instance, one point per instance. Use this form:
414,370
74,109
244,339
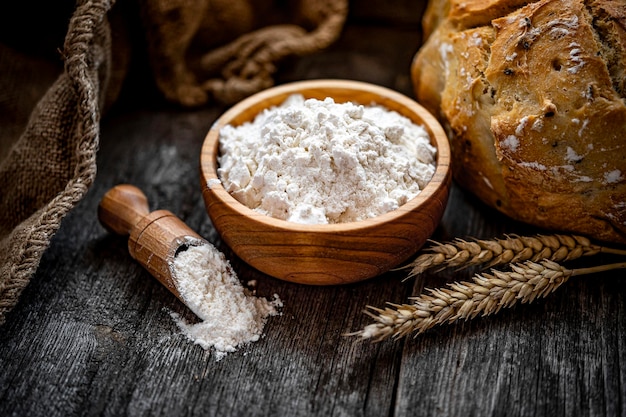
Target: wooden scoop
154,237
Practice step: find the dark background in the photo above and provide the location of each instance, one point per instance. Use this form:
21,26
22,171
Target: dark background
92,333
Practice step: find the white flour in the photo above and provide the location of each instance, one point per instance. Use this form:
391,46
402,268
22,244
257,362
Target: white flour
230,317
312,161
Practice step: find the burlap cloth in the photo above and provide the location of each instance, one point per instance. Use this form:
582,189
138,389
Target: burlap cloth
51,166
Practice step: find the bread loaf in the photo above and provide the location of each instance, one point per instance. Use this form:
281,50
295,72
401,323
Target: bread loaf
532,95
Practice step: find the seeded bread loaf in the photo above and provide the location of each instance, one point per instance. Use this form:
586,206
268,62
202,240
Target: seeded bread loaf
532,94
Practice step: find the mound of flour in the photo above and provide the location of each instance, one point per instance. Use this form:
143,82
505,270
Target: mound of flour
229,315
316,161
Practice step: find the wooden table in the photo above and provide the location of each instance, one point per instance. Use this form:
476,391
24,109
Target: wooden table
93,335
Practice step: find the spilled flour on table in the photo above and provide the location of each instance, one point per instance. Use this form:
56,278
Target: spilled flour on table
230,316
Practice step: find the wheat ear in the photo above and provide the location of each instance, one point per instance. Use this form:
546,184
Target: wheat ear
485,295
461,253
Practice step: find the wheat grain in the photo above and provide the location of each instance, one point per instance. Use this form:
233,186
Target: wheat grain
486,294
461,253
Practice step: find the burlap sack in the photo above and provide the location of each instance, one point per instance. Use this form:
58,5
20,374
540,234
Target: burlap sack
53,163
225,50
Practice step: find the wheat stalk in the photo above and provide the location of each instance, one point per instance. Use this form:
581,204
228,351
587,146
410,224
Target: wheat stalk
461,253
485,295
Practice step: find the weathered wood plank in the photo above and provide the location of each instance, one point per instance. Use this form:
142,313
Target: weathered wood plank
560,356
100,337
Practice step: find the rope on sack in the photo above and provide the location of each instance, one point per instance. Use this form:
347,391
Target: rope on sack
248,63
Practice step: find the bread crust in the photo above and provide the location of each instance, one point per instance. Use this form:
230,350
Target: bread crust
532,96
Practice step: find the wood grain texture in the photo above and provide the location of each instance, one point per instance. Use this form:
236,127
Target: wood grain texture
92,334
154,238
122,208
331,253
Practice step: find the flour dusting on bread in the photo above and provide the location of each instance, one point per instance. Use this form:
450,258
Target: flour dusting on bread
532,95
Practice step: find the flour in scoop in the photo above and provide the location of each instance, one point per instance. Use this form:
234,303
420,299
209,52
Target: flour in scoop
317,161
230,316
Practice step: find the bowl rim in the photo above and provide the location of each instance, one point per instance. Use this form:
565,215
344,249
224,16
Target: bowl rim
208,156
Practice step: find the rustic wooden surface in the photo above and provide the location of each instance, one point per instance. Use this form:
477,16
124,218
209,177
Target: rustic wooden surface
93,335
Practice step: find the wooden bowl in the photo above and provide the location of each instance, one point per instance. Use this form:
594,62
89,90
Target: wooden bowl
326,253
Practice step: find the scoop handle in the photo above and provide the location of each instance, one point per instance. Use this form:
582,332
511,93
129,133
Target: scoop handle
154,238
122,207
